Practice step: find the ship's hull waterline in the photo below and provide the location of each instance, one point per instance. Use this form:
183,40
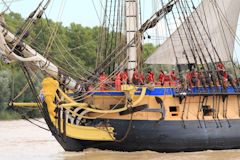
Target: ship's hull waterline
163,136
184,129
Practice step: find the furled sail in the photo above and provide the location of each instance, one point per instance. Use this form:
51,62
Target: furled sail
209,30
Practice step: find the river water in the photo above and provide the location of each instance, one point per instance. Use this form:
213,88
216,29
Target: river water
20,140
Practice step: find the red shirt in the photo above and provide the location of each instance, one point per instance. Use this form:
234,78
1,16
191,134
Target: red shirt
173,76
161,77
225,75
124,76
118,81
220,67
118,77
102,78
102,81
135,75
150,77
189,76
167,78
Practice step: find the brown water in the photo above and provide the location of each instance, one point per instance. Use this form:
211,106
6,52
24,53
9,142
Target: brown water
21,140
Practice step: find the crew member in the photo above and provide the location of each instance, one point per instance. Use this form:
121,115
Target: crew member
225,78
135,77
189,79
173,77
223,73
161,77
118,81
221,68
150,76
194,78
124,76
202,79
102,81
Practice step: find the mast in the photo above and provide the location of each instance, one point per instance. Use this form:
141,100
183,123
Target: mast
131,24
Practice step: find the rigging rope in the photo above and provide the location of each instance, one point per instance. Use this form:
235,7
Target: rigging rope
196,44
184,50
225,37
174,51
192,48
7,6
213,77
55,30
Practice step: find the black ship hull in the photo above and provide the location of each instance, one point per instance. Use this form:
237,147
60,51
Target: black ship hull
160,136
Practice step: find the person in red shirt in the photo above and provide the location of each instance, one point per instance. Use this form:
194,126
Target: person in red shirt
173,77
221,69
150,76
194,77
223,73
189,79
124,76
220,66
161,77
102,81
225,78
118,81
135,77
141,78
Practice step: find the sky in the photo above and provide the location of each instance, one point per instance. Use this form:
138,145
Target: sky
79,11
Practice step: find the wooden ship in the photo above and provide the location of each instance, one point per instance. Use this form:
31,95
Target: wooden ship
197,109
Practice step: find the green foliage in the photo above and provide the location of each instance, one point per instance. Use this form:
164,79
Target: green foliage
148,49
8,115
14,21
78,35
4,89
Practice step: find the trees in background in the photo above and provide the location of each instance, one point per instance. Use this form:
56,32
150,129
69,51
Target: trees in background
5,90
73,45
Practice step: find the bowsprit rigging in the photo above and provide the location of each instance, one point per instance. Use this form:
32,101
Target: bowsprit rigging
119,105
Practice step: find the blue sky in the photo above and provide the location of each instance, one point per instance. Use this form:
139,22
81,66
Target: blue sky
78,11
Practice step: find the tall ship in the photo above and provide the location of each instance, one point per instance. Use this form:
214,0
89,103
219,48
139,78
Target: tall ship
121,105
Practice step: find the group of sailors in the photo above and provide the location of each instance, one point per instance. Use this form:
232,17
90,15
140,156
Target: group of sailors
139,78
193,78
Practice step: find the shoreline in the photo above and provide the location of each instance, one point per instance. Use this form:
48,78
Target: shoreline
9,115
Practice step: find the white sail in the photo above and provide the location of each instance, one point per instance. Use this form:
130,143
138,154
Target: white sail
219,18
